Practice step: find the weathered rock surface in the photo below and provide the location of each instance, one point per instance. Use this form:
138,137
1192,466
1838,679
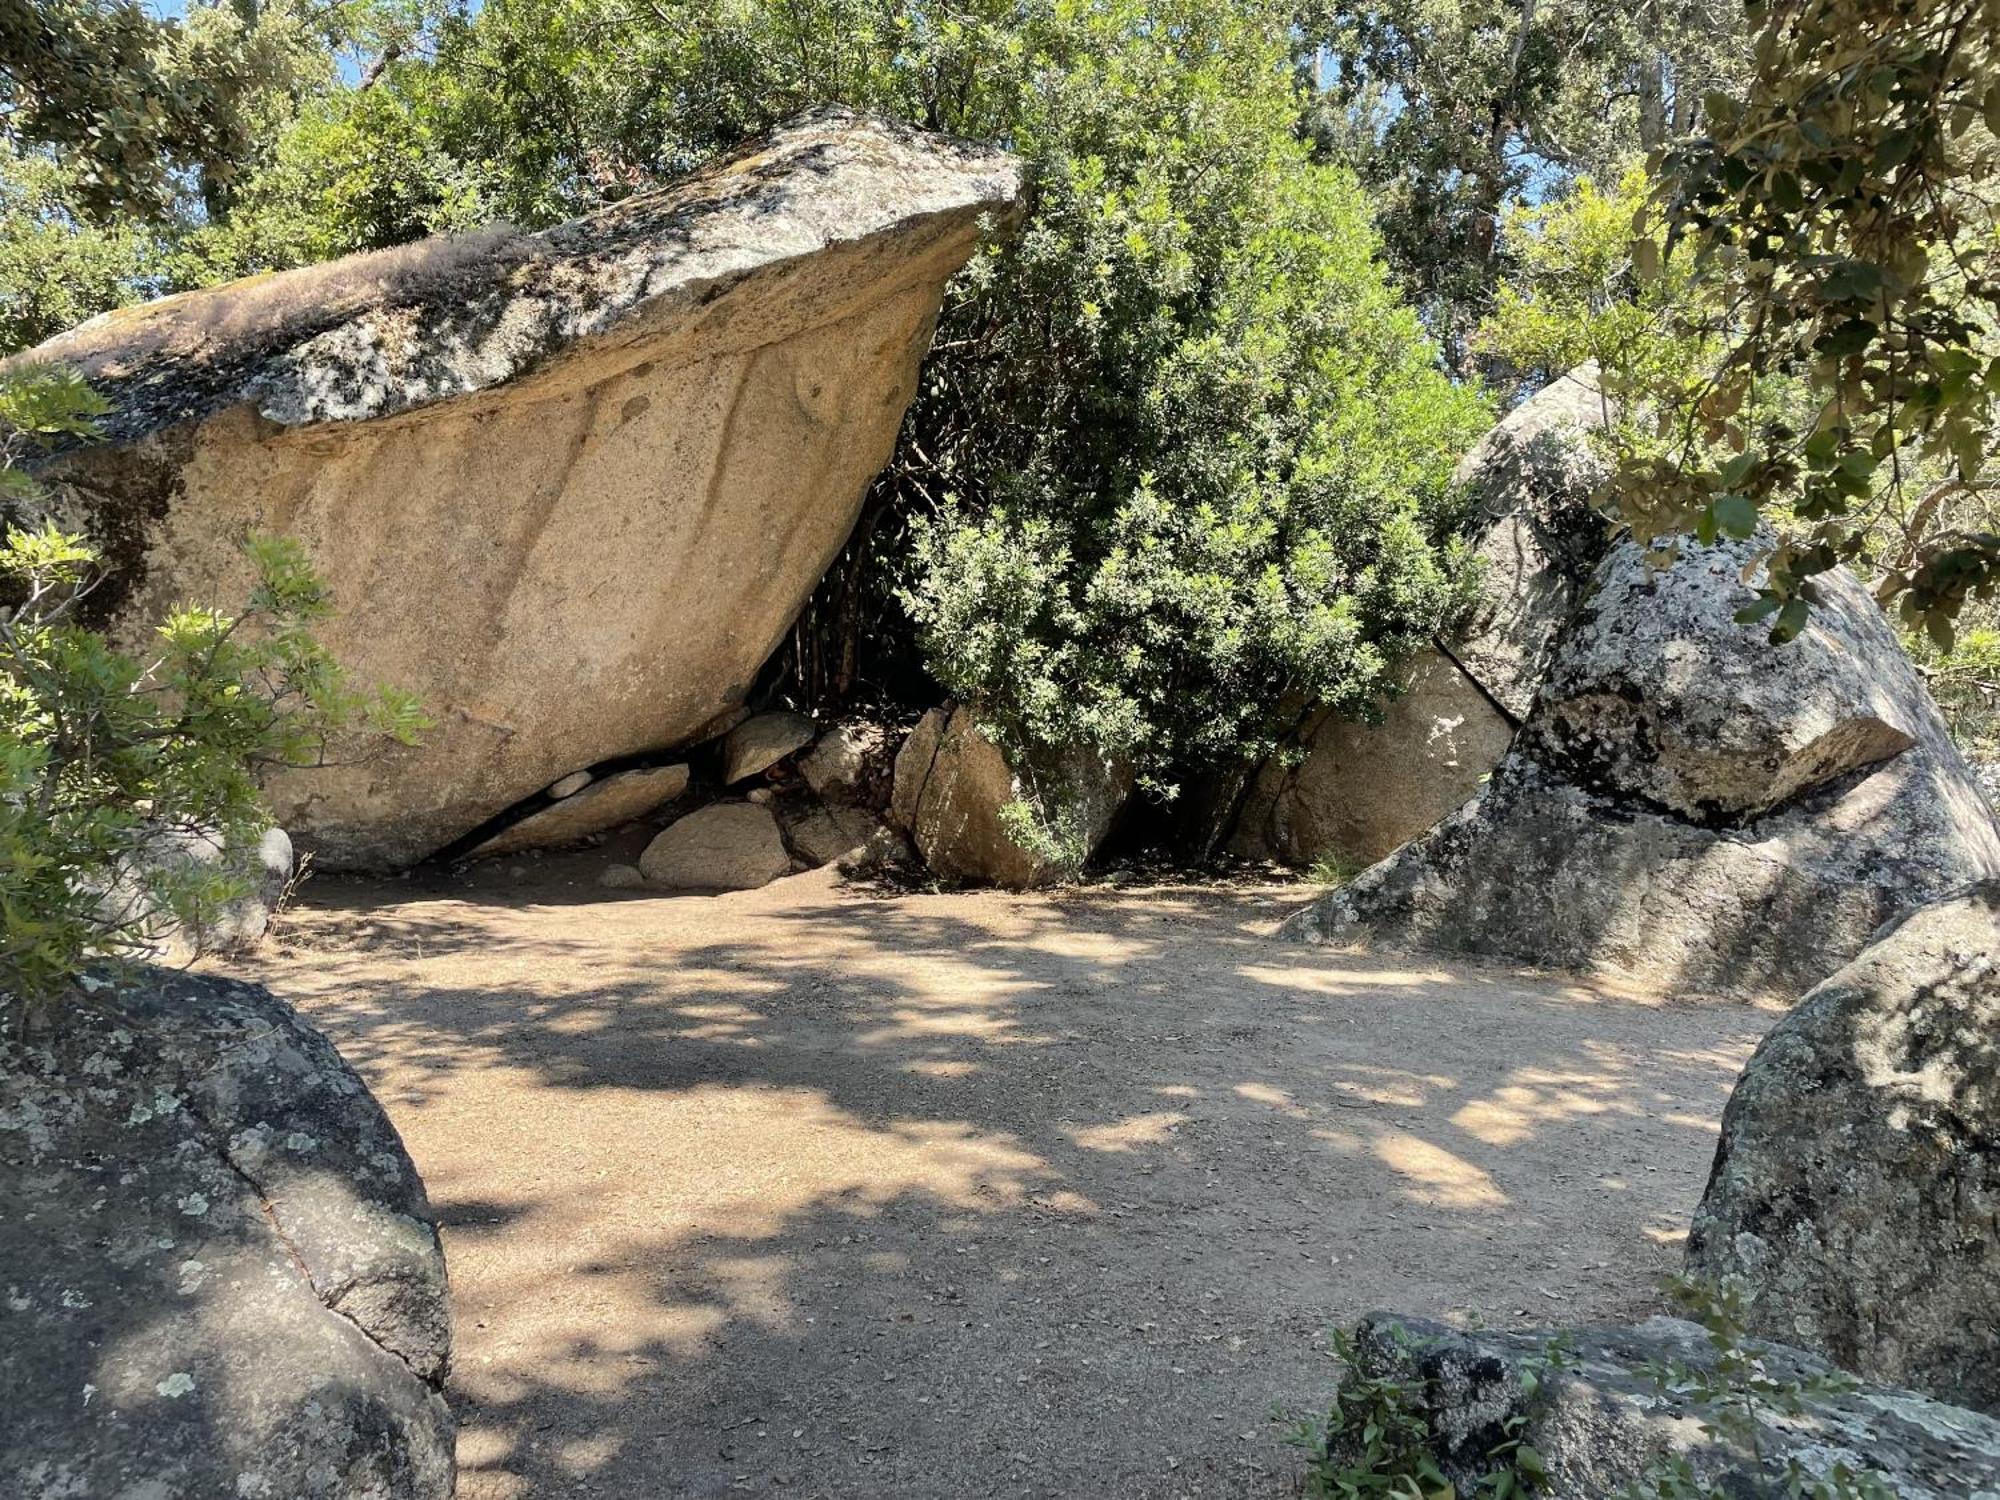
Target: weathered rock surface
262,871
728,846
223,1278
761,741
823,834
853,763
1365,789
1660,697
607,803
952,784
1533,475
1571,865
570,488
1599,1420
1856,1191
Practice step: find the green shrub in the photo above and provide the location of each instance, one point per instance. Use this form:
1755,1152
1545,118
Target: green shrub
105,755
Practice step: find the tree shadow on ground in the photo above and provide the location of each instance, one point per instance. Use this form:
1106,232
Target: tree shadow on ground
981,1195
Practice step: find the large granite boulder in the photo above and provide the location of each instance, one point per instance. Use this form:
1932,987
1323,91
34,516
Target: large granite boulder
570,488
1856,1192
221,1274
1632,842
953,790
1659,697
1601,1422
1361,790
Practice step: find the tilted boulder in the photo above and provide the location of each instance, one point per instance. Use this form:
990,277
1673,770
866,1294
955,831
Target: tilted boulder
1601,1424
222,1274
1537,538
1855,1197
570,488
1659,696
953,787
1629,853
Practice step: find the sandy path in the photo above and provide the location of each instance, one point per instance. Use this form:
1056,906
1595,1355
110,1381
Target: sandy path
812,1193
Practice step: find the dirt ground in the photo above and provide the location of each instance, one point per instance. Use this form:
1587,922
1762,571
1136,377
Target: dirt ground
818,1193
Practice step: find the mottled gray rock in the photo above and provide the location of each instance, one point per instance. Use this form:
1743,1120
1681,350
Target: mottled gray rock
953,786
1565,867
1660,696
622,878
610,802
886,850
570,488
1538,538
1600,1421
728,846
822,835
761,741
853,763
222,1276
1362,790
1856,1192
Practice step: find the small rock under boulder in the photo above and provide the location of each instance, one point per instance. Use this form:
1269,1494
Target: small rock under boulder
761,741
1619,854
601,805
1599,1420
822,835
852,764
223,1277
727,846
1855,1197
952,784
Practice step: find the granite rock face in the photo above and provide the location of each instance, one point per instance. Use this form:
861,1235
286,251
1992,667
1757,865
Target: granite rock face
1532,477
1648,849
1600,1421
1658,696
570,487
223,1277
1855,1197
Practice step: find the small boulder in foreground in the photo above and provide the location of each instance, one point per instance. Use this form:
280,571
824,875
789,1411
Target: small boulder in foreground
1855,1198
222,1276
1600,1422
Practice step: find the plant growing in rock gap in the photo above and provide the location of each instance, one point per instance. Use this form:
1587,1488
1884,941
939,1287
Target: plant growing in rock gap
109,761
1376,1440
1729,1398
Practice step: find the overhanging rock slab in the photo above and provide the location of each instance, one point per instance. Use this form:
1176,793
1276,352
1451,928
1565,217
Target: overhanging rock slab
570,487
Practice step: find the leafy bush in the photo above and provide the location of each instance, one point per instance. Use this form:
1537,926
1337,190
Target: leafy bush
106,757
